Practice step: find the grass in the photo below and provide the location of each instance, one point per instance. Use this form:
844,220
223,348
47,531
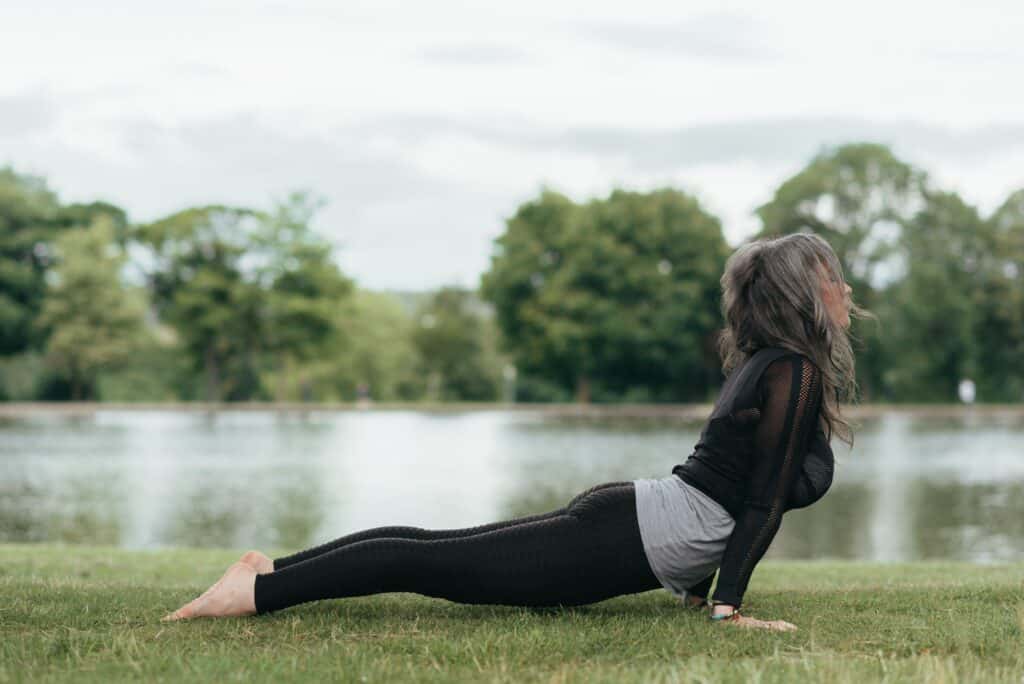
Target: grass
92,614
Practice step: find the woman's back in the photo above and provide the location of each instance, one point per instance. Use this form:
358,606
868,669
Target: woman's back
726,453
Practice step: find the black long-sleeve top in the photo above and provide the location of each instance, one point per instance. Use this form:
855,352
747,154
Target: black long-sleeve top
814,481
752,457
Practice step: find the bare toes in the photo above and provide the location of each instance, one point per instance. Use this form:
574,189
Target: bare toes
187,611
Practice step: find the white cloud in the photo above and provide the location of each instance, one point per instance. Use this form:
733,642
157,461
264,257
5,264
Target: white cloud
426,124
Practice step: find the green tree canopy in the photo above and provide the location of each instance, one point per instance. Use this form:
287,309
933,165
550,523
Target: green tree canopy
247,291
28,226
858,197
617,298
93,321
1000,314
930,314
198,284
305,293
87,214
452,342
379,354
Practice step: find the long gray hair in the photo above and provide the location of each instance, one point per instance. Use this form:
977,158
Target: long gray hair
771,297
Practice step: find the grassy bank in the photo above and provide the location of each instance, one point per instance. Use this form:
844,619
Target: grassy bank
92,614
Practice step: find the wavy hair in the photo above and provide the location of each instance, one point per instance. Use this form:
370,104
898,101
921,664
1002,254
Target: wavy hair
771,297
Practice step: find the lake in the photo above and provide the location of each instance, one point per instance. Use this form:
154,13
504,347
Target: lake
915,486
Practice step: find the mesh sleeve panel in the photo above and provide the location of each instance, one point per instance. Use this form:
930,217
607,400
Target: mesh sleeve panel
791,399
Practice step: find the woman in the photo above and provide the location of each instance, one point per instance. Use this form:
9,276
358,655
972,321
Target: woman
786,352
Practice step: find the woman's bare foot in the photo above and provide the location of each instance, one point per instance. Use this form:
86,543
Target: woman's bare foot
258,561
232,595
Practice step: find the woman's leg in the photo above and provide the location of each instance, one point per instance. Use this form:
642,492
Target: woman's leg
589,551
423,534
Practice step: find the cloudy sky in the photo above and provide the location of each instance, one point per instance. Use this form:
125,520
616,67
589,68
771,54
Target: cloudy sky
424,124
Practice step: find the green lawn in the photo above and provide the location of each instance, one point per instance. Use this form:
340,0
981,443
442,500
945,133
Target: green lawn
88,613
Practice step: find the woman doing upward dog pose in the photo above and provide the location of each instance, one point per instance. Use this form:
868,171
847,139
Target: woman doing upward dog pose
764,450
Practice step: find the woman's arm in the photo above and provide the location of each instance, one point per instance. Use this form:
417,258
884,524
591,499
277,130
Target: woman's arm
791,398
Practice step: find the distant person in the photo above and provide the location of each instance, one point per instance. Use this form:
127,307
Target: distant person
966,390
363,398
764,450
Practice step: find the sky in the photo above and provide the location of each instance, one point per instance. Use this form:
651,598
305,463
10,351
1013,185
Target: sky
424,125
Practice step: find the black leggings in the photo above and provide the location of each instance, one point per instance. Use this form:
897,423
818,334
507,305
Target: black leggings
586,552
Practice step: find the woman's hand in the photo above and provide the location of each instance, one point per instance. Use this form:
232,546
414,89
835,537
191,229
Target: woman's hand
754,623
725,613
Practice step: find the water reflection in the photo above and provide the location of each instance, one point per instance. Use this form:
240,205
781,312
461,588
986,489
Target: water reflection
969,521
553,460
914,487
206,516
294,515
838,526
81,512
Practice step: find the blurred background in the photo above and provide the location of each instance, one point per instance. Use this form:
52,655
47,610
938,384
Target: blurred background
326,205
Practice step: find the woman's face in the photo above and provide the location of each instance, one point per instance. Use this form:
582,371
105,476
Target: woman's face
836,296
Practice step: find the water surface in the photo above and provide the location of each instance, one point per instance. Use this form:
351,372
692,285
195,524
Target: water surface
913,487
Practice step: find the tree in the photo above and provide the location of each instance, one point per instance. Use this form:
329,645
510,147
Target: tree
379,355
617,298
28,212
1000,306
858,197
86,214
199,284
930,315
524,257
93,321
451,341
305,292
252,295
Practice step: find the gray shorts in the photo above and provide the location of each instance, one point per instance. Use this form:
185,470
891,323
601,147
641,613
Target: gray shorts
684,531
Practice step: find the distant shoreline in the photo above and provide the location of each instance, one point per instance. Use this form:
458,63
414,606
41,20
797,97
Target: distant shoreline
681,411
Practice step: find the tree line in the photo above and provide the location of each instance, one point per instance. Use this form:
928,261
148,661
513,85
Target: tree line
612,300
